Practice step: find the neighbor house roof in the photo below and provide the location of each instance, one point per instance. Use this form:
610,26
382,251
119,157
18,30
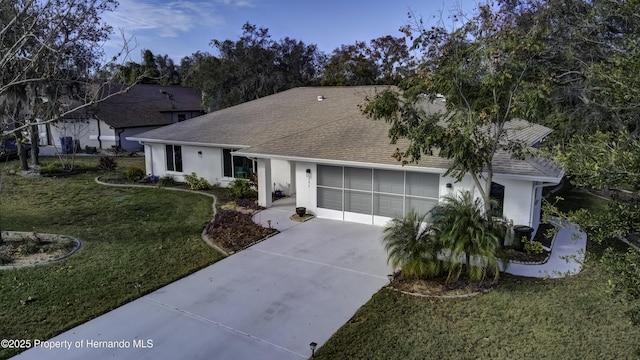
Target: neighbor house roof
324,124
144,105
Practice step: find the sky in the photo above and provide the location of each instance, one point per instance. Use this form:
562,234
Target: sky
179,28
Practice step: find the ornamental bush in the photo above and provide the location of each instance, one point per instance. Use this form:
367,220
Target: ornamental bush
532,247
133,173
197,183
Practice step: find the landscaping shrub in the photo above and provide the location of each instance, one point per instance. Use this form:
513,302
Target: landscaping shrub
463,230
167,180
50,168
108,163
240,189
532,247
458,230
133,173
197,183
411,245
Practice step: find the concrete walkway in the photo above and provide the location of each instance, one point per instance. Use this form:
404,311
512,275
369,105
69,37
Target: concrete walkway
269,301
567,255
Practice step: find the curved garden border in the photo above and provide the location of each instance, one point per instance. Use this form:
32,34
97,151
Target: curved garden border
77,248
459,296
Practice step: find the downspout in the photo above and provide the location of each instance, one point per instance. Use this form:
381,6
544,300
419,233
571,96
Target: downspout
119,134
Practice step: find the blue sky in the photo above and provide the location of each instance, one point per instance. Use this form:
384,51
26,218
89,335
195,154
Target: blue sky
181,27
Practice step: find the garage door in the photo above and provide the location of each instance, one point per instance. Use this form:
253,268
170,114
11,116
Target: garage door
373,196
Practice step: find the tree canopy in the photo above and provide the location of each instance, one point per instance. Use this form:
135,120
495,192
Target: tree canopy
485,73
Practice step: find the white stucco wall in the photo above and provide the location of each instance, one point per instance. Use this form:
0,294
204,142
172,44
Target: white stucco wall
207,164
518,200
466,184
281,176
306,186
88,132
518,197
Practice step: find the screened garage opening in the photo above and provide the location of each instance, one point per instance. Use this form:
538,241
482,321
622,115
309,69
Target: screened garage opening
374,196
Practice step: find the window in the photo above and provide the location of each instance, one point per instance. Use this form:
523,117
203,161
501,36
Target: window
330,176
174,157
388,193
497,193
182,117
238,167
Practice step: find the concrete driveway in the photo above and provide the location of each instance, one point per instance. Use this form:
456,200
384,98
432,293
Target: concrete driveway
267,302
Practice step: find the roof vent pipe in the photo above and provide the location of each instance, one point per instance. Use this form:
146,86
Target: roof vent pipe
320,97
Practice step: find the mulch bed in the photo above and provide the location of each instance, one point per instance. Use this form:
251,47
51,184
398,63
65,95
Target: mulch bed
439,288
542,235
33,248
234,230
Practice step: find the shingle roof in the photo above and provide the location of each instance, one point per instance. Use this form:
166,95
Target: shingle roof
144,104
295,124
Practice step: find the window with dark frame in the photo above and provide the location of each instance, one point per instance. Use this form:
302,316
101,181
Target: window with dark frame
497,193
238,167
174,157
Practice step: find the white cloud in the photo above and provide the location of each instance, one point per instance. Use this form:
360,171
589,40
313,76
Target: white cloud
170,19
238,3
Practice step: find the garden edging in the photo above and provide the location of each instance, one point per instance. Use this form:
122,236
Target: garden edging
77,248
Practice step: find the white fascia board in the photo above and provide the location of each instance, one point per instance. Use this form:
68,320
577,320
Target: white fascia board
347,163
186,143
544,179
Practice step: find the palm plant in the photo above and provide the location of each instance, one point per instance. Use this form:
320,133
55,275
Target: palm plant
468,238
411,245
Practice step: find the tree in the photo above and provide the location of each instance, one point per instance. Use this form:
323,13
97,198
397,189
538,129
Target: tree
350,65
484,71
386,60
587,49
155,69
255,66
50,51
393,59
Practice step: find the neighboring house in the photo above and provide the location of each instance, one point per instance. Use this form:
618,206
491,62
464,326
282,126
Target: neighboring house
315,143
143,107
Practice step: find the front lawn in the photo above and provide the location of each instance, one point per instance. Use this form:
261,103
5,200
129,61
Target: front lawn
135,241
522,318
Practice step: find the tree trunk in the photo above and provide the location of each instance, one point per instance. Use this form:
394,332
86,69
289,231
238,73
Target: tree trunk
22,151
35,141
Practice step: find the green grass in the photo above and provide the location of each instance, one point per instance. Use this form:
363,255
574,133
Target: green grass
146,236
523,318
576,198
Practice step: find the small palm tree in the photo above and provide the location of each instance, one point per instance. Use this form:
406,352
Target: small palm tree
468,238
411,245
